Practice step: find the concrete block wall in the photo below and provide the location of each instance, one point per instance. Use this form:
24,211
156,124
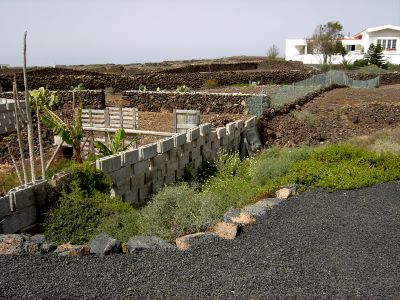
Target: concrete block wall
18,209
136,174
7,117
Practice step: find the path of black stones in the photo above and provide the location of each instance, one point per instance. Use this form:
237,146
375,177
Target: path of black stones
344,244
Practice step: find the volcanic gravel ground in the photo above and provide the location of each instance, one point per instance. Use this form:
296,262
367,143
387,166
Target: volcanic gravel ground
344,244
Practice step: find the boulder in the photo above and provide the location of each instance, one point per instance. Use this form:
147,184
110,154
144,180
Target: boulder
188,241
237,217
24,243
259,208
286,192
139,243
73,250
104,244
224,230
12,243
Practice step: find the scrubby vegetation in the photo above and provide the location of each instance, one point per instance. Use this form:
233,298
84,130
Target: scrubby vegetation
189,207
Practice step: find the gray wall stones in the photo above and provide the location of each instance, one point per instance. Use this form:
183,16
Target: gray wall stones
204,102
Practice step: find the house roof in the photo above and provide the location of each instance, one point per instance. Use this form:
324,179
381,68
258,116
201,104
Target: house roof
373,29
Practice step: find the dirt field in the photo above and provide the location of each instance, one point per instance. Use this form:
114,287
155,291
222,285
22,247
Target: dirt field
336,116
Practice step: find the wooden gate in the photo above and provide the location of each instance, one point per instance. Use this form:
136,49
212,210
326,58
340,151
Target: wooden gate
185,119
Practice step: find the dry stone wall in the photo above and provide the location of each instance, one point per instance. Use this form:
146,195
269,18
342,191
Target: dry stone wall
155,80
204,102
90,98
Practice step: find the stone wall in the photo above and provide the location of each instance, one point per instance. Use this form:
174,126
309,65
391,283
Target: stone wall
136,174
90,98
204,102
155,80
212,67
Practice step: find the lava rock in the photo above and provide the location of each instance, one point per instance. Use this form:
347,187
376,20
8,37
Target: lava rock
104,244
226,231
139,243
192,240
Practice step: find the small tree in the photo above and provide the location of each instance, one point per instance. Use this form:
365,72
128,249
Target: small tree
374,56
324,40
273,52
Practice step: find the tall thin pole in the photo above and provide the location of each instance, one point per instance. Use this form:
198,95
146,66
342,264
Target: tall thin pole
40,141
18,127
31,143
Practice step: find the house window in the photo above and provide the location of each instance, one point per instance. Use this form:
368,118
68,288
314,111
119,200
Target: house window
350,48
387,44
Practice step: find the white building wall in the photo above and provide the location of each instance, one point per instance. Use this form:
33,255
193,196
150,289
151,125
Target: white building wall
292,46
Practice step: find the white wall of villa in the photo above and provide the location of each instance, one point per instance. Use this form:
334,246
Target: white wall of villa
387,36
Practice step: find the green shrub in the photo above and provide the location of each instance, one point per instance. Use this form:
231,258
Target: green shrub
88,179
345,167
360,63
275,163
78,216
120,226
175,211
210,83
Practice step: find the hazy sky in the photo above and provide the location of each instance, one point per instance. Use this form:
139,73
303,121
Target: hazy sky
122,31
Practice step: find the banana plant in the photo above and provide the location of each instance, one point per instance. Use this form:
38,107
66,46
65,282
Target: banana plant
71,134
116,145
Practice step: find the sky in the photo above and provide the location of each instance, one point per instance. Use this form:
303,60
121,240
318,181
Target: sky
70,32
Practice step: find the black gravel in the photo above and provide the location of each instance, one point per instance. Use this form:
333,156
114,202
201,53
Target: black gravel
344,244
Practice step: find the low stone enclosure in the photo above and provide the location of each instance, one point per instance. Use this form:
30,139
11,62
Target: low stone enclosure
136,174
204,102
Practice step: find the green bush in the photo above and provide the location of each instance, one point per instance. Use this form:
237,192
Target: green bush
88,179
275,163
120,226
345,167
175,211
77,217
360,63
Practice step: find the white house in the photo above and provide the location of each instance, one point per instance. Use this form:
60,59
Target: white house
387,36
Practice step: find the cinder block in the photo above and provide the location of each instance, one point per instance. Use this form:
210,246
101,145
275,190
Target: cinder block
230,128
165,145
129,157
179,139
250,122
221,132
5,209
109,163
205,128
239,125
21,197
41,191
141,167
188,147
19,219
193,134
122,174
147,152
138,180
